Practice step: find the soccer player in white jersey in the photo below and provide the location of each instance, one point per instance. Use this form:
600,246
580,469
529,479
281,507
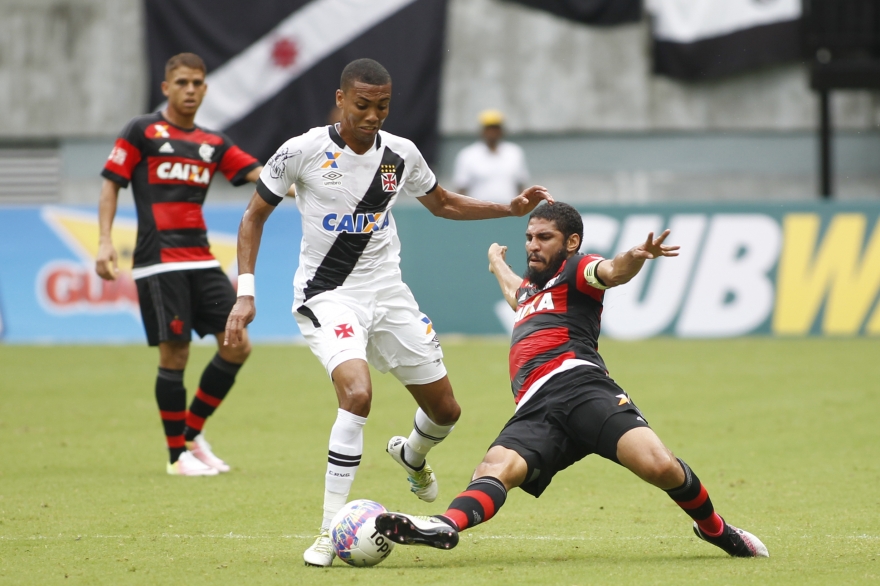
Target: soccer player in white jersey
349,300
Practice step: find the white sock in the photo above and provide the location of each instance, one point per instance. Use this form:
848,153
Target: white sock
343,459
425,435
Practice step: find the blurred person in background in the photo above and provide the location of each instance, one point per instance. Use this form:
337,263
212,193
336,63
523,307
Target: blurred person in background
491,169
170,162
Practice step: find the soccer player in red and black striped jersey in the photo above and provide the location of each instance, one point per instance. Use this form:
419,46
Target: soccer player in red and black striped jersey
567,406
169,162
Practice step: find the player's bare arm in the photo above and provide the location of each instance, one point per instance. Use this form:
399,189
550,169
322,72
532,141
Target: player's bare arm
107,262
454,206
626,265
250,232
254,174
507,279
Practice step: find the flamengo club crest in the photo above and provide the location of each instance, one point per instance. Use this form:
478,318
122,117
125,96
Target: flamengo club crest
389,178
206,151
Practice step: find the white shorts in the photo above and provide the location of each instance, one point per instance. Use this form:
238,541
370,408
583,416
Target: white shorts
381,326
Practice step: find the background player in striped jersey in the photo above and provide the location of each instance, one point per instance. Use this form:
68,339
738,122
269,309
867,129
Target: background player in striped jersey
567,406
170,163
349,299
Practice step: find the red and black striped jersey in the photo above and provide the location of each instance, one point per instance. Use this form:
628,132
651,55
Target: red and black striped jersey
556,327
170,169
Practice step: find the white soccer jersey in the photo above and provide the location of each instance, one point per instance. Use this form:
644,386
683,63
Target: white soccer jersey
345,199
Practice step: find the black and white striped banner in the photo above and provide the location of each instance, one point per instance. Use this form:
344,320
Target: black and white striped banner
595,12
273,67
700,39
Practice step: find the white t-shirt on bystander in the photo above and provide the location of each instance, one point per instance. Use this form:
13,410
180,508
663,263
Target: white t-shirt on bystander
491,176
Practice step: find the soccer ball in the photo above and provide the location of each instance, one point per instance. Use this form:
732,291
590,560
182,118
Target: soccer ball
355,538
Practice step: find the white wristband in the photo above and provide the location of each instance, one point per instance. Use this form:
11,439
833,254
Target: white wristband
246,285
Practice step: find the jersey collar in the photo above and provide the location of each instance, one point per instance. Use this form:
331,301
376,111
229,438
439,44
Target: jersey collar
334,136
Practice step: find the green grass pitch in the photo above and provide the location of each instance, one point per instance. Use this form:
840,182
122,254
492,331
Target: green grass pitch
783,433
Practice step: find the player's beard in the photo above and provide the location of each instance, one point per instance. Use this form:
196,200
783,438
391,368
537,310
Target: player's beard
539,278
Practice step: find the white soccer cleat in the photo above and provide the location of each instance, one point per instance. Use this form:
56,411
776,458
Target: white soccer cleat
189,465
321,552
422,482
201,449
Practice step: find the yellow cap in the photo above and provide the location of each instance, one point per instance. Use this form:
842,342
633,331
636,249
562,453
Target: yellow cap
491,118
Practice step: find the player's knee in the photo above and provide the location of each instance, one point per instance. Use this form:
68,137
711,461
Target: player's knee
448,413
504,464
173,355
358,403
237,354
489,467
661,469
357,399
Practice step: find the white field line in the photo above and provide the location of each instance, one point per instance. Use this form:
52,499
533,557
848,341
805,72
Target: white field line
474,537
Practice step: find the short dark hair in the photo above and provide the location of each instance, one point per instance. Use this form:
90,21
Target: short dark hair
365,71
190,60
567,219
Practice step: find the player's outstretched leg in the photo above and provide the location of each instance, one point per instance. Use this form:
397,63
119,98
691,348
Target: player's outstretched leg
694,500
642,452
217,379
343,460
477,504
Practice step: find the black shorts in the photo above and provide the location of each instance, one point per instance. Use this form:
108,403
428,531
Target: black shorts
576,413
177,302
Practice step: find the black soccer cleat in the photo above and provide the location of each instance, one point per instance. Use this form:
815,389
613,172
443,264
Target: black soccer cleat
414,530
736,542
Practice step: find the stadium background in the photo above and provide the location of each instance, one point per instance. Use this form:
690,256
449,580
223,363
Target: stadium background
777,416
598,127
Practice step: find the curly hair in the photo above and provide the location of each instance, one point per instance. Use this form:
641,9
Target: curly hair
567,219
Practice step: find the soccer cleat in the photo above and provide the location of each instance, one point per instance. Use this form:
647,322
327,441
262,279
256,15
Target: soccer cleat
321,553
201,449
189,465
736,542
422,482
413,530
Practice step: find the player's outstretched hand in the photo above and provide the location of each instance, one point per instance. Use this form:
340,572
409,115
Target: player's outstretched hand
106,263
243,312
497,253
653,247
529,199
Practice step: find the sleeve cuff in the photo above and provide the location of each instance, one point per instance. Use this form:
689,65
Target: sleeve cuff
268,196
433,187
239,178
115,178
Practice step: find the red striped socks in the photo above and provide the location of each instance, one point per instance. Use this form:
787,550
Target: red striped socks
694,500
477,504
171,398
217,379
